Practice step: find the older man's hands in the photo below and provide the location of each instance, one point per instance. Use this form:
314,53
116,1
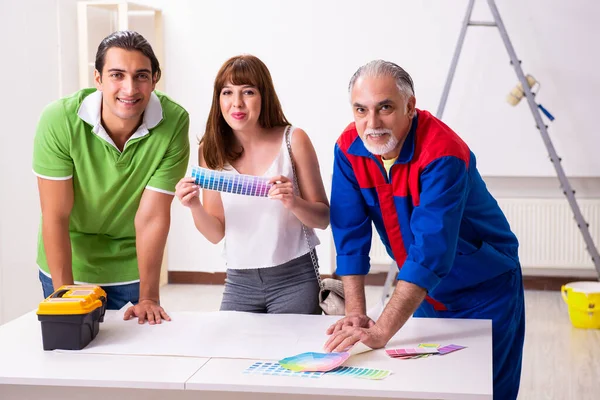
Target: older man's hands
356,320
342,339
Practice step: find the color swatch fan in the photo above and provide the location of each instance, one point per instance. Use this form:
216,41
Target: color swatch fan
423,350
247,185
321,362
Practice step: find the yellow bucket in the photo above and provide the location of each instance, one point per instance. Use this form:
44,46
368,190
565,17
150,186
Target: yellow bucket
583,300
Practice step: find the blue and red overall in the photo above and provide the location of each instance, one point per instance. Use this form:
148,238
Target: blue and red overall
440,224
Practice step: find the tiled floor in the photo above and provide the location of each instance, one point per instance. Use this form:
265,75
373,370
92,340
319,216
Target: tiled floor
560,362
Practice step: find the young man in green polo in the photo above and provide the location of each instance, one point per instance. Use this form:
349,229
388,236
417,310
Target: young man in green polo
107,162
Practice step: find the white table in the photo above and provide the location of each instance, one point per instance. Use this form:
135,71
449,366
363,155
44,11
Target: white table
28,372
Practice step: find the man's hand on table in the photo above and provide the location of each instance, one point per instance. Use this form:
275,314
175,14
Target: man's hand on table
343,339
356,320
354,328
147,309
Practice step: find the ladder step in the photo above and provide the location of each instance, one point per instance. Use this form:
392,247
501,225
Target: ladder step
482,23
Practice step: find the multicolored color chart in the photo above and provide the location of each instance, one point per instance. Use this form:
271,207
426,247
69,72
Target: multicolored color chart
423,350
363,373
411,352
450,348
271,368
220,181
429,346
321,362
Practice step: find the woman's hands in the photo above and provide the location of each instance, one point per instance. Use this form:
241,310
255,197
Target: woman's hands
188,192
283,189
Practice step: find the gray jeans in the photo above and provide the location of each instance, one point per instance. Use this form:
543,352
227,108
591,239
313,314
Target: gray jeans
289,288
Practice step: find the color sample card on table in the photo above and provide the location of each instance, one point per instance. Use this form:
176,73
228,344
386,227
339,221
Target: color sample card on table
363,373
423,350
411,352
247,185
428,345
321,362
273,368
450,348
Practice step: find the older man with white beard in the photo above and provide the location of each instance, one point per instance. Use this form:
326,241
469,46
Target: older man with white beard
410,175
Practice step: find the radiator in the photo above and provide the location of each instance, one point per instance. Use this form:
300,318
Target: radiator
547,232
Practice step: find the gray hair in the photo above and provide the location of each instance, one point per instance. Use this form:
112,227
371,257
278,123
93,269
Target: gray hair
379,68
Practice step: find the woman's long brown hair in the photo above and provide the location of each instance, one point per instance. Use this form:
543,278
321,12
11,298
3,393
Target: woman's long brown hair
218,142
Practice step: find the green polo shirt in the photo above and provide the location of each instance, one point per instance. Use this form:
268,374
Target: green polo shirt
70,143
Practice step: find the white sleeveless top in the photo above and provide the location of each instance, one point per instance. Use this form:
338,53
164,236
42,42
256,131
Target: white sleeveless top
261,232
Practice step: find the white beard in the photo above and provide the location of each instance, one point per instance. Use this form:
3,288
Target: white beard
385,148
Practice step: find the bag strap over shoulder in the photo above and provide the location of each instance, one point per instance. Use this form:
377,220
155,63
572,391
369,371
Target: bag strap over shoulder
288,141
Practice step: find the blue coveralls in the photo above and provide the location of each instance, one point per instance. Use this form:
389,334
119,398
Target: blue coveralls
441,225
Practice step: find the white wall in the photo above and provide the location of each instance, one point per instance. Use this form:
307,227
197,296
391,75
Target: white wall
29,71
311,48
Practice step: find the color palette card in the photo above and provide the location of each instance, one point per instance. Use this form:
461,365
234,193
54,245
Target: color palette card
450,348
411,352
221,181
321,362
363,373
424,350
428,345
272,368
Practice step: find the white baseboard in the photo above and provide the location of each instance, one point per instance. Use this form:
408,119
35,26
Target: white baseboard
575,272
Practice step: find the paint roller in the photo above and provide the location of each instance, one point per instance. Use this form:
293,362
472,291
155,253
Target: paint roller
515,95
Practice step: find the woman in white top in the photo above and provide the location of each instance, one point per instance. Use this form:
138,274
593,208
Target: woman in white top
269,266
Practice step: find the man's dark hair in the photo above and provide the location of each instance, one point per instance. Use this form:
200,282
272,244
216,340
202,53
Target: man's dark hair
127,40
